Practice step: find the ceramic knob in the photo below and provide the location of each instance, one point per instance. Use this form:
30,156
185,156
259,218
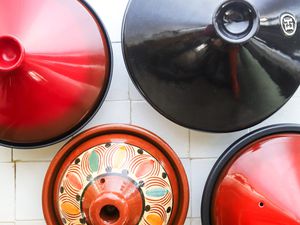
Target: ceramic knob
256,180
55,70
116,174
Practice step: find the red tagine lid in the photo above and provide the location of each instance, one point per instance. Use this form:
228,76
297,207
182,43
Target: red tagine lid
55,65
116,175
256,181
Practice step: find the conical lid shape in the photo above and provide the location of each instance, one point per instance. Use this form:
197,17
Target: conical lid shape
214,65
55,64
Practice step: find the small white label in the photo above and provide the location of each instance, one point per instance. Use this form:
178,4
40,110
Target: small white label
288,24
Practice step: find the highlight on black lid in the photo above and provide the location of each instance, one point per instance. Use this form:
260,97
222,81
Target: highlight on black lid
217,66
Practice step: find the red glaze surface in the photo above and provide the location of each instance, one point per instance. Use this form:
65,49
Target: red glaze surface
54,69
117,190
11,53
261,185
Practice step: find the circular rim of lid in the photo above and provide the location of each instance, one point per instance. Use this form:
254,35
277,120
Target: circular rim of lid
66,150
229,154
249,33
165,113
99,103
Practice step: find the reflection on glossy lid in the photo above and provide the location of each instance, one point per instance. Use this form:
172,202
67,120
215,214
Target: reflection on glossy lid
54,69
256,181
214,65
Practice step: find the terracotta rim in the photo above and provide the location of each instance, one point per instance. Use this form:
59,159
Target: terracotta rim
47,201
229,154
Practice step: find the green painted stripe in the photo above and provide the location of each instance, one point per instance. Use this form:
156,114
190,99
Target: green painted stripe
156,192
94,162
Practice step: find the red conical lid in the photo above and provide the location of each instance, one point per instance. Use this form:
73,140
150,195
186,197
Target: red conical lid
117,175
55,64
256,181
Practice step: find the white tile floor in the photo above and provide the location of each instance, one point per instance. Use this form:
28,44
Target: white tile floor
22,172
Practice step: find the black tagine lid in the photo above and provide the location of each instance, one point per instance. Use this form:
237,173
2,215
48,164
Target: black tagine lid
214,65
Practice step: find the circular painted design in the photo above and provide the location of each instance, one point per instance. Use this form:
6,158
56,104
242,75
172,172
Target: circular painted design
116,159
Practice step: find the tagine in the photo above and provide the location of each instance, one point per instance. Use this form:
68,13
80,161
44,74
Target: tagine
116,174
256,180
55,69
217,66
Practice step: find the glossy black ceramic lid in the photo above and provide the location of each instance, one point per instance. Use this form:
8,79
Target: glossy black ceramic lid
214,65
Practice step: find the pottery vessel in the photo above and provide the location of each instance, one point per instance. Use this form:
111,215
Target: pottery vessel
118,175
256,180
214,65
55,70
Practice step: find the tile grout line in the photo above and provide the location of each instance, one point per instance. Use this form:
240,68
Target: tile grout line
15,191
119,100
15,184
139,101
191,189
36,161
130,113
189,149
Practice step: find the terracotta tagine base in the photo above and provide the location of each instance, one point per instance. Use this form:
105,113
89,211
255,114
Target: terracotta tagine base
117,175
256,181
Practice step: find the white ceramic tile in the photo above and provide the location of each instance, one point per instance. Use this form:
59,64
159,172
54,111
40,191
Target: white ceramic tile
187,222
187,166
134,93
111,13
111,112
196,221
39,154
198,150
119,87
200,169
7,190
30,223
209,145
29,183
289,113
297,94
176,136
5,154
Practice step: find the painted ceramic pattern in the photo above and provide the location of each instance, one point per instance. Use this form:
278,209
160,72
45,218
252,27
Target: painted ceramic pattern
118,159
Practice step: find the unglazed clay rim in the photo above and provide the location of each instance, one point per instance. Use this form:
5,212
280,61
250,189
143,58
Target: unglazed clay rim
49,182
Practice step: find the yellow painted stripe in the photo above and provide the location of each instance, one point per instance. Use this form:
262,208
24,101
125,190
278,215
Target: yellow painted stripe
154,219
70,208
119,157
